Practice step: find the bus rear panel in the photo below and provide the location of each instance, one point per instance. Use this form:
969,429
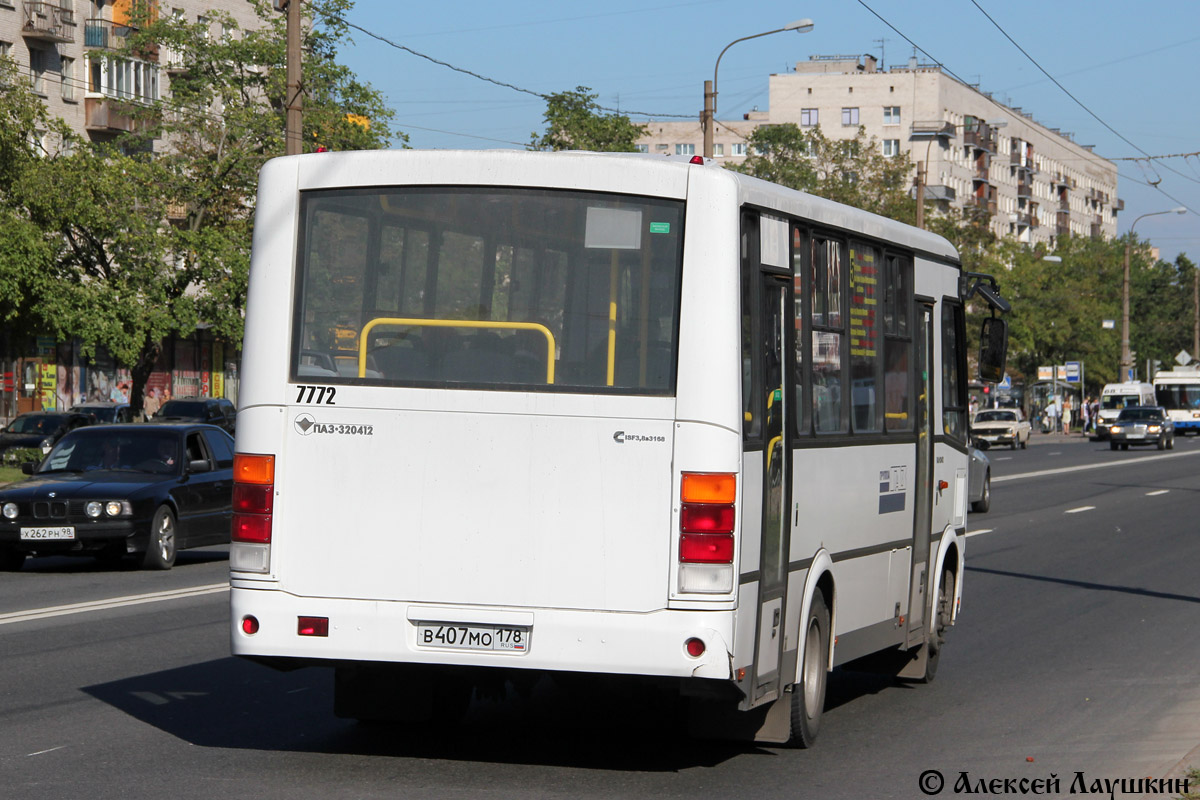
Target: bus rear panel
523,414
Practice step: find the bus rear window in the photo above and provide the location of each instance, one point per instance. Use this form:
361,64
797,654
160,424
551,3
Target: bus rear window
523,289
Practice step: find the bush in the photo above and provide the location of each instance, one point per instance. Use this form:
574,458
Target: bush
16,456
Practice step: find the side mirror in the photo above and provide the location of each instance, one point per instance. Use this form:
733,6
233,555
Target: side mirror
28,467
199,465
993,349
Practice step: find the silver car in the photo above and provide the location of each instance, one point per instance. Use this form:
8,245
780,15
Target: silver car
979,481
1142,425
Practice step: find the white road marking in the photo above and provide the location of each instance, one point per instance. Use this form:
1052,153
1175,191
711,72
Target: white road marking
1157,493
978,532
43,752
1081,508
1124,462
113,602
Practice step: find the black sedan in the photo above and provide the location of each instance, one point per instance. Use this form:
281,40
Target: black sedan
113,490
1142,425
40,429
212,410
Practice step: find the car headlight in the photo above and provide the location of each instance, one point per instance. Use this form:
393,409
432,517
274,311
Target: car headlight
112,508
10,510
1154,428
1115,429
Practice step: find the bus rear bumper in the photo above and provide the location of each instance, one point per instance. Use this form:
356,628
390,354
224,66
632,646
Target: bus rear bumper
653,643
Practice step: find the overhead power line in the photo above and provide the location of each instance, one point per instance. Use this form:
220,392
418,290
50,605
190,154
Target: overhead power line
463,70
1145,159
1067,92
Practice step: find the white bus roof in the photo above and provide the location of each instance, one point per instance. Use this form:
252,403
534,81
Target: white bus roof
625,173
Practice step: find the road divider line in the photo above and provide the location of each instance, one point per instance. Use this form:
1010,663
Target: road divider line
978,532
112,602
1080,509
1157,493
1084,467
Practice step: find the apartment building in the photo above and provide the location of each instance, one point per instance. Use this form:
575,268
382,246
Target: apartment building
1035,182
75,54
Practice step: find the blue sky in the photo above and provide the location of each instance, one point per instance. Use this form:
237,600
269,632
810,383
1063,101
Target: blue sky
1131,65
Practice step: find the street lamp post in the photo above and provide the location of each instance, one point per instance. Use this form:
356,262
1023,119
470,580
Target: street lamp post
710,87
1126,355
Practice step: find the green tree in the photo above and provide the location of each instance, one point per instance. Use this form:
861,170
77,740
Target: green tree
1161,306
149,235
851,171
574,121
1059,307
25,257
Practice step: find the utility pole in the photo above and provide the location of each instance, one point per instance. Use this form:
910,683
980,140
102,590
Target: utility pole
920,194
706,119
293,100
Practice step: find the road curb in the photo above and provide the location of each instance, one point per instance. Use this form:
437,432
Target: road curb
1180,770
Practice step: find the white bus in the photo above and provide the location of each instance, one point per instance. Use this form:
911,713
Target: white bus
1178,391
607,414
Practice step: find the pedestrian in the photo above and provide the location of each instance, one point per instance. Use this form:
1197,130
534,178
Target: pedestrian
1052,415
1086,412
1066,415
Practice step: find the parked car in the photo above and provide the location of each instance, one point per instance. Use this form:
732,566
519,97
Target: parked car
1001,426
113,490
210,410
1142,425
979,481
104,412
40,429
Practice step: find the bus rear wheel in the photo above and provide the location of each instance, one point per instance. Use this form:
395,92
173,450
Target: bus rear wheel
943,611
808,698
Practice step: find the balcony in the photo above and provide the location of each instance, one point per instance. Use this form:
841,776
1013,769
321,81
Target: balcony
981,137
983,204
936,193
49,22
101,34
1024,189
982,174
932,130
1062,221
102,117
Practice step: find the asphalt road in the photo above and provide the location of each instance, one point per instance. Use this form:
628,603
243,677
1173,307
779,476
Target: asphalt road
1076,651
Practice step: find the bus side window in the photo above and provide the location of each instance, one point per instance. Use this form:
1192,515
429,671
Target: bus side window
897,345
954,387
800,385
751,374
827,336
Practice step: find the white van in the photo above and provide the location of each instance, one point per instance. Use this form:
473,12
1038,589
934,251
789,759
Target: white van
1116,396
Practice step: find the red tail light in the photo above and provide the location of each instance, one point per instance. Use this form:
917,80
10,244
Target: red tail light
253,528
706,548
696,518
253,497
313,626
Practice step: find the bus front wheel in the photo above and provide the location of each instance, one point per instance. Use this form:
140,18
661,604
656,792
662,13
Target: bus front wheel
808,698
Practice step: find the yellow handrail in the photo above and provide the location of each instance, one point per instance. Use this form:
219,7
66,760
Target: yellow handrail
455,323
